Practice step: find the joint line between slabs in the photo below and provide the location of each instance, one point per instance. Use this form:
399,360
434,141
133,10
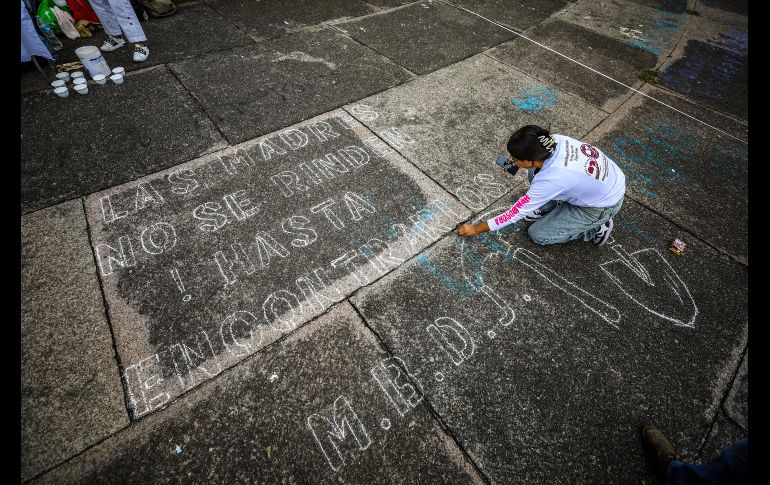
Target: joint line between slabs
598,72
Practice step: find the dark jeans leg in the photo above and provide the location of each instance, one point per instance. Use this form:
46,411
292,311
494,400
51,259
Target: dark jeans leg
730,467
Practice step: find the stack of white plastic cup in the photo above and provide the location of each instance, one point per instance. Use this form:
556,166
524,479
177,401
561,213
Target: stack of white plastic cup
79,82
117,75
60,85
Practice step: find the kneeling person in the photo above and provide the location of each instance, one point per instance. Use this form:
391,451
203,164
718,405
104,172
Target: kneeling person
574,191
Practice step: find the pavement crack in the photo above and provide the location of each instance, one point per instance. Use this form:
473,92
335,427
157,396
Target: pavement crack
428,405
118,361
720,409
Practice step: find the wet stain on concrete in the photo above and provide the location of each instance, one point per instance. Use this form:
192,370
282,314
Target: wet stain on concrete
715,76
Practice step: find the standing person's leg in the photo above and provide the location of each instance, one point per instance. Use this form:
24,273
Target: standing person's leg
566,222
128,21
731,466
130,26
106,16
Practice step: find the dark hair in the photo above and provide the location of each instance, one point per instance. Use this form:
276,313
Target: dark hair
531,142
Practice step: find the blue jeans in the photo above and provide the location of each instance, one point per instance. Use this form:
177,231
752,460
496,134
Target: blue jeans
565,222
730,467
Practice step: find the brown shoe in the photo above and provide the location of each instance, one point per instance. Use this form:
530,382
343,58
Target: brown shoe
659,449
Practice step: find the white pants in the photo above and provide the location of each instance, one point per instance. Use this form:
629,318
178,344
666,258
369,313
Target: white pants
117,16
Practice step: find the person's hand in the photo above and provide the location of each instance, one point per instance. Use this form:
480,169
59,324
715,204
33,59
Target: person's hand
467,230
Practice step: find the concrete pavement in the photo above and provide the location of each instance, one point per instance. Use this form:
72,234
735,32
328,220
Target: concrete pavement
240,265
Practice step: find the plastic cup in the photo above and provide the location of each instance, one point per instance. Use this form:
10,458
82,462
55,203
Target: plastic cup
62,92
63,76
58,83
76,75
118,70
100,78
79,80
117,78
81,88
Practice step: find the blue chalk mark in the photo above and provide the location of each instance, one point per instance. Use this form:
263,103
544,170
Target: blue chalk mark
672,154
453,284
496,246
644,179
631,227
535,99
424,218
646,191
461,287
642,43
663,24
178,449
367,251
661,32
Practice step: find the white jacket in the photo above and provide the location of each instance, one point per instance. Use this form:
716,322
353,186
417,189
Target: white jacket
577,173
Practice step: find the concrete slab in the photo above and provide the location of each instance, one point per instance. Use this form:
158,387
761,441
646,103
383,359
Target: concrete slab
437,35
677,166
675,6
272,18
520,15
389,3
194,30
724,433
77,145
737,403
208,262
285,81
606,55
71,396
460,118
709,75
725,30
648,29
544,361
300,412
740,7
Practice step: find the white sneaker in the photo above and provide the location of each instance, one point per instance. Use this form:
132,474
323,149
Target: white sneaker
112,43
603,234
141,52
534,216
